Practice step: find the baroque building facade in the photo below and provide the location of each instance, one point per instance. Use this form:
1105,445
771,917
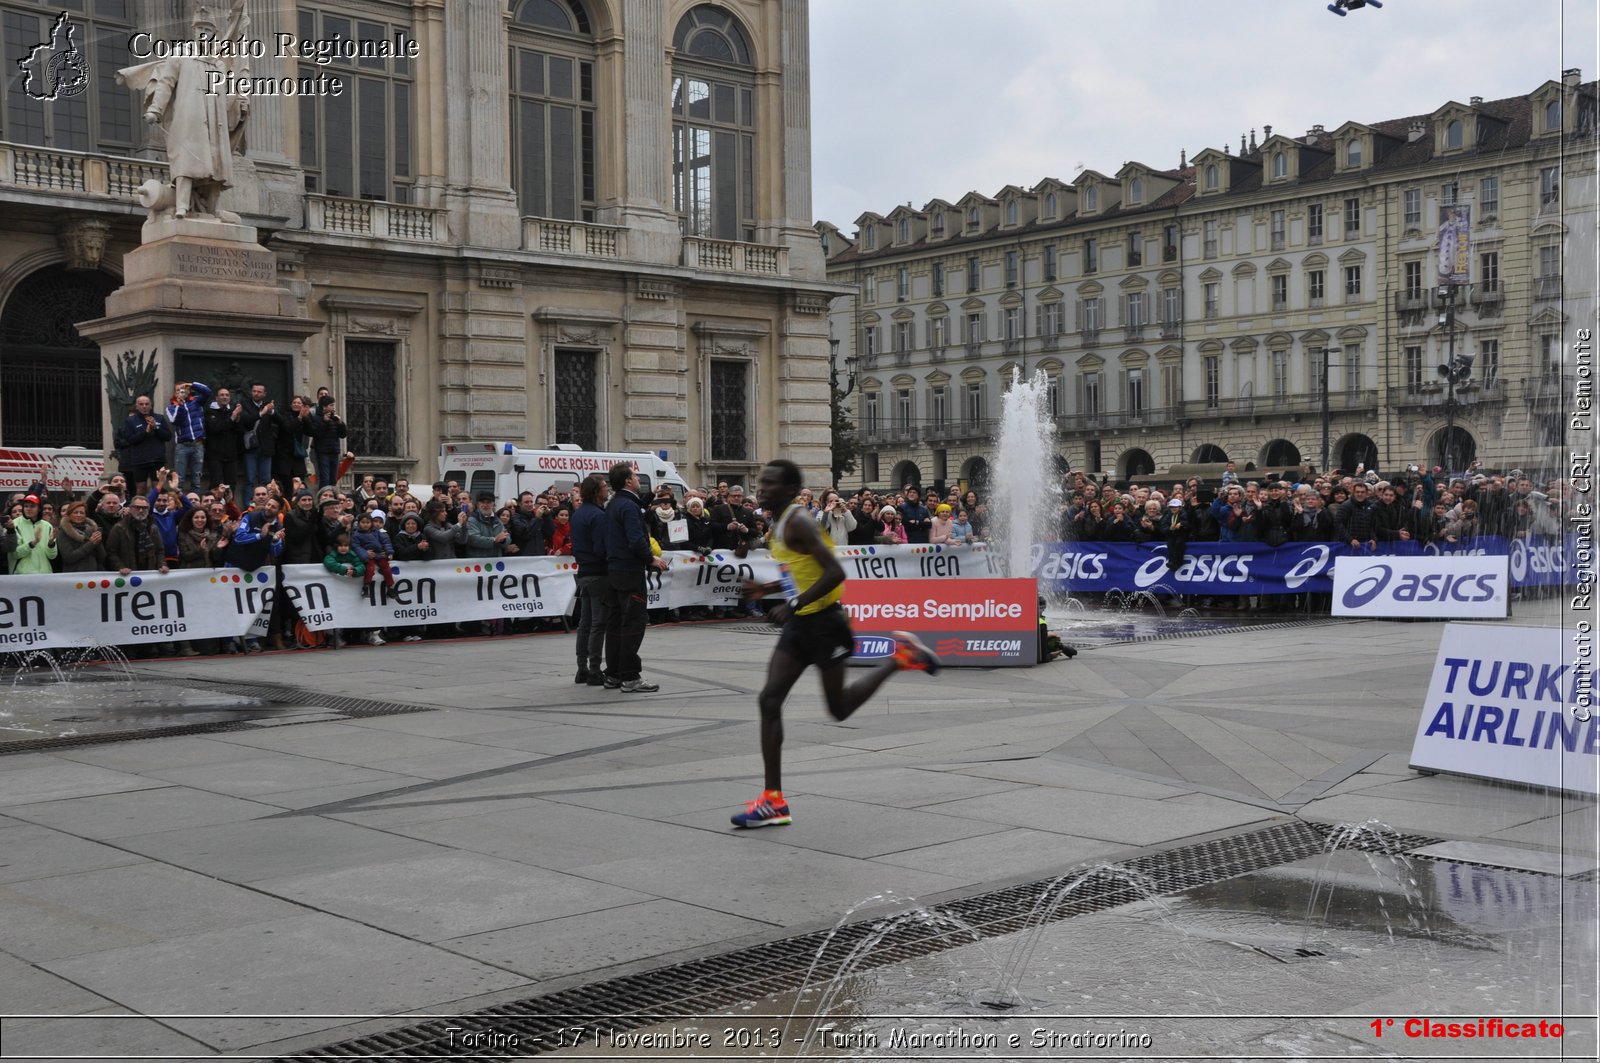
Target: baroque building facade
583,221
1258,306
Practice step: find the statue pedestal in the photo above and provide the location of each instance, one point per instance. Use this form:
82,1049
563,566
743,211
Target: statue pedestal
205,289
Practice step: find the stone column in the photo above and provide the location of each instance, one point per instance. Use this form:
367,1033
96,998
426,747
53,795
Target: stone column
478,186
805,428
644,167
805,250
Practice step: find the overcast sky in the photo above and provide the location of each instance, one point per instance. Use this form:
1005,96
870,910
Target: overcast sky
918,99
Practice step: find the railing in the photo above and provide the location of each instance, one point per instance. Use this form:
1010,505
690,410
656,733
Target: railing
1171,330
375,218
1431,394
902,357
1133,333
1548,388
974,350
553,236
729,256
1410,302
1547,287
1340,401
1050,341
936,354
26,166
1090,337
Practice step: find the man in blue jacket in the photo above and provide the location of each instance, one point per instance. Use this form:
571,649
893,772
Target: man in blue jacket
628,553
589,545
187,413
142,443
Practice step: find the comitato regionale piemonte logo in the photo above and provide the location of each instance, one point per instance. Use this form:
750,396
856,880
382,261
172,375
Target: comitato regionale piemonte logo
55,68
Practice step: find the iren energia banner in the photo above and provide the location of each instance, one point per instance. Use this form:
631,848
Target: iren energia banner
94,609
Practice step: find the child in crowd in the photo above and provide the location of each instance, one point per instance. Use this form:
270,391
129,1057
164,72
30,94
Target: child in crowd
342,560
373,546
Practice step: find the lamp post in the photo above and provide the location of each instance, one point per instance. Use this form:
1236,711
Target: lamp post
1454,370
836,398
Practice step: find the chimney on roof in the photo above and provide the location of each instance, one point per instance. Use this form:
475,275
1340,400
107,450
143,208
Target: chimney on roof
1252,138
1476,101
1419,129
1241,143
1571,77
1266,133
1183,158
1225,149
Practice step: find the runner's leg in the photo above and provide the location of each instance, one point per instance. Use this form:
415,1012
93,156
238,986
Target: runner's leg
844,700
782,672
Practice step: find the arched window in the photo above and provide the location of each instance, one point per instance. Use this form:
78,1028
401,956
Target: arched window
1552,114
1352,152
50,375
1091,198
973,217
1050,205
553,141
1136,191
1011,213
713,126
1280,164
1211,177
1452,133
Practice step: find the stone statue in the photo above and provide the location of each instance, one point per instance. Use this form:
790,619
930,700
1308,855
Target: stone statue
203,127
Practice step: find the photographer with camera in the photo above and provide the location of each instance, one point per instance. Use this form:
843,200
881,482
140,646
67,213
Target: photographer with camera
327,432
142,443
187,414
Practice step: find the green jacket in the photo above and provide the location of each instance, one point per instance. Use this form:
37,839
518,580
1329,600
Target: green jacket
336,563
29,558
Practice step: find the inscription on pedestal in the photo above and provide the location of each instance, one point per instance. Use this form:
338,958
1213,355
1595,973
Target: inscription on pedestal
224,263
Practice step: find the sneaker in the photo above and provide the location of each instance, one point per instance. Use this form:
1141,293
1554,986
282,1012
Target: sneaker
597,679
412,638
612,682
374,639
911,655
582,676
768,810
639,686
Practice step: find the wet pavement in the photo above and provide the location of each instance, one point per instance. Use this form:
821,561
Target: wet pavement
260,890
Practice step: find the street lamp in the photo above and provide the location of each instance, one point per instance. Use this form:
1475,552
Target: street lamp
836,398
1325,412
1455,370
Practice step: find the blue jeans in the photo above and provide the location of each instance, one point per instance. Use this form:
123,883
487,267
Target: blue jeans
257,470
190,464
327,469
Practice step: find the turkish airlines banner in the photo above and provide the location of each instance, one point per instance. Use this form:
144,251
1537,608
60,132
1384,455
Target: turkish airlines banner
77,610
1508,703
968,622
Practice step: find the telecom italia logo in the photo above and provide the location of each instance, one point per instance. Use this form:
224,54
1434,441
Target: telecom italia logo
55,69
1445,587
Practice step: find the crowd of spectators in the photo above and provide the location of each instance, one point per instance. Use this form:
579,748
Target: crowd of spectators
241,493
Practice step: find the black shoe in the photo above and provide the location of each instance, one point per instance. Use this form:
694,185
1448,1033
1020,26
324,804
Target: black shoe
597,679
582,676
613,683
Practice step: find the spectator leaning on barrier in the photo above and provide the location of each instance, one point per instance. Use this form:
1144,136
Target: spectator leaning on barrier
80,545
35,545
187,415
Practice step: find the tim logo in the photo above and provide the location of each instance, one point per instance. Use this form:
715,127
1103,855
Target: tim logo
55,69
871,648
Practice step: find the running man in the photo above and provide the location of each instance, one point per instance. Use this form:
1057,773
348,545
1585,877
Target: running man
816,631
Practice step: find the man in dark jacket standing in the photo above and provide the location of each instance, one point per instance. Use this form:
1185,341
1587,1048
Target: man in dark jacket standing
222,441
914,515
142,443
627,555
1357,518
259,427
589,538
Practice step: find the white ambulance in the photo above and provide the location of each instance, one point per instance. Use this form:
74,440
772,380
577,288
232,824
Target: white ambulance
508,470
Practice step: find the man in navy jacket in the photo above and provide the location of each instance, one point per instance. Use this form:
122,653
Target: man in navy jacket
628,554
589,543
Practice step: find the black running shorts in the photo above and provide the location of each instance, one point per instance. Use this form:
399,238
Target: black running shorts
823,638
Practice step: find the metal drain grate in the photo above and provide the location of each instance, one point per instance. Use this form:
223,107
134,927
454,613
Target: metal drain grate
695,988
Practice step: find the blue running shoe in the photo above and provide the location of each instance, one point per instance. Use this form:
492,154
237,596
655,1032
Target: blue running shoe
768,810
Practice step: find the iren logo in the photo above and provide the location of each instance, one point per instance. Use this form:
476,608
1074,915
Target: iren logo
55,69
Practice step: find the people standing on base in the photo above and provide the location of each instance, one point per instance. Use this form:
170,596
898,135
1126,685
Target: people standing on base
816,631
628,554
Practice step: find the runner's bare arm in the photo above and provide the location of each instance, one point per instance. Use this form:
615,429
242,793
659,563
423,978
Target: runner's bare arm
802,537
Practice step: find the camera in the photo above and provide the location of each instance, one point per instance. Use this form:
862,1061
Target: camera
1412,468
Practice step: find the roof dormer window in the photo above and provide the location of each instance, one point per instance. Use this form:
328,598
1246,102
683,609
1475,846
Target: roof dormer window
1050,205
1211,179
1352,152
974,217
1136,191
1552,116
938,223
904,230
869,238
1091,198
1280,165
1011,212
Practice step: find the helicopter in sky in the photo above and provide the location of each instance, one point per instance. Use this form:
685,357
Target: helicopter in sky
1344,7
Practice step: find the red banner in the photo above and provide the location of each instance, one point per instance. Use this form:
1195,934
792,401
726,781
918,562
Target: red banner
971,623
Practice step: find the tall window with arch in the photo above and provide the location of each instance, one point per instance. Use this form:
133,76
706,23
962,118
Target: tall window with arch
713,126
553,141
